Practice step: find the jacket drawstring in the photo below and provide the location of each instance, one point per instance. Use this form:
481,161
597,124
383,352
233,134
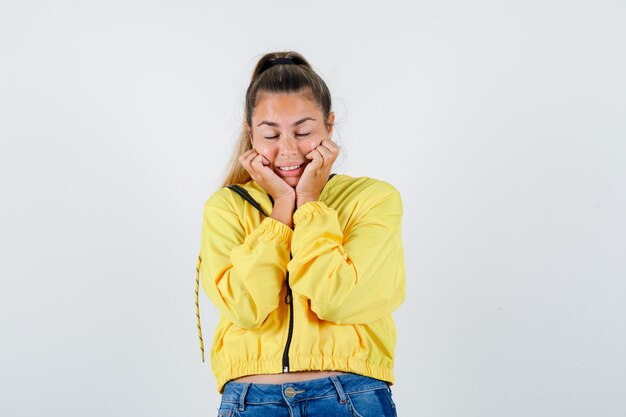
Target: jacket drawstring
198,306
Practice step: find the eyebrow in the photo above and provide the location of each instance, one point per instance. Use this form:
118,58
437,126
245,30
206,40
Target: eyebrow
265,122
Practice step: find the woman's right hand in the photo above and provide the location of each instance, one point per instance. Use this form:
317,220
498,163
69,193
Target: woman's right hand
256,165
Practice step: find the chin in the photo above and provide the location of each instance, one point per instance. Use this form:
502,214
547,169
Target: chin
293,181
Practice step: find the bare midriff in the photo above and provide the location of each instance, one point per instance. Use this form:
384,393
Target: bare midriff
286,377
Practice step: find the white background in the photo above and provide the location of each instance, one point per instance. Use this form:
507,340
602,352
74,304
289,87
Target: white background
501,123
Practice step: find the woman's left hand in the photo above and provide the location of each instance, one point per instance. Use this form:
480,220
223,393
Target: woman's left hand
316,172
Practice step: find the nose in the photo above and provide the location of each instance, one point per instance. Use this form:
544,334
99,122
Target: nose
288,146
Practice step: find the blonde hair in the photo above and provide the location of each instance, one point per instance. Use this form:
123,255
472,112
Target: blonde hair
268,77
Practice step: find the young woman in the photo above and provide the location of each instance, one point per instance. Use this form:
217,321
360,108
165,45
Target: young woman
305,266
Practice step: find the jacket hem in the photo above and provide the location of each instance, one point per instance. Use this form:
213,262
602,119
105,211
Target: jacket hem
304,363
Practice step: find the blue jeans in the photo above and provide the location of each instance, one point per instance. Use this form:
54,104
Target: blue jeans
348,395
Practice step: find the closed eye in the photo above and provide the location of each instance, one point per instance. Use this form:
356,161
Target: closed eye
297,134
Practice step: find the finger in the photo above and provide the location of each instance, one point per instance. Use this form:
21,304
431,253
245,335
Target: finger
248,152
326,153
332,146
245,163
245,155
257,163
249,157
316,158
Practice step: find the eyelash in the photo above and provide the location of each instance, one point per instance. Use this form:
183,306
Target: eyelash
275,137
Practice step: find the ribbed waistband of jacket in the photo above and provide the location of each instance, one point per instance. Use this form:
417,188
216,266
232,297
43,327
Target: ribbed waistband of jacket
333,386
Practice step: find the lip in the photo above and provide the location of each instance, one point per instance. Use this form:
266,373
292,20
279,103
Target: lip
289,164
294,173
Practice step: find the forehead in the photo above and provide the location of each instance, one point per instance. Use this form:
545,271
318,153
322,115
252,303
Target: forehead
285,108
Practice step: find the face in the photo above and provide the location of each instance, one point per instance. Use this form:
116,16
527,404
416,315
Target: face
286,127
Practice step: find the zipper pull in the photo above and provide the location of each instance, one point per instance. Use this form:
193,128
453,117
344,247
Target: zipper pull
288,297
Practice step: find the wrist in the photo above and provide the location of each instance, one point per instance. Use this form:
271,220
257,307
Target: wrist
285,196
283,210
302,199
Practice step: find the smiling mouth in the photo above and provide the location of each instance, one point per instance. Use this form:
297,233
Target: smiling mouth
290,168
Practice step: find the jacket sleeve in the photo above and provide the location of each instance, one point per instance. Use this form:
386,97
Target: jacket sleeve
242,274
356,276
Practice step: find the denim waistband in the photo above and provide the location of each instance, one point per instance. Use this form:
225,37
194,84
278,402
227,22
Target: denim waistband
290,392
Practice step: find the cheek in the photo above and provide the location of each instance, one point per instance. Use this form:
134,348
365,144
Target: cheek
308,145
265,149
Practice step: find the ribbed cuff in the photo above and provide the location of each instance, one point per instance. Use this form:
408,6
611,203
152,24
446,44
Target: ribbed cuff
277,227
310,208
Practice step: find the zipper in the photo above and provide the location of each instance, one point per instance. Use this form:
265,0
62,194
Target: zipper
289,301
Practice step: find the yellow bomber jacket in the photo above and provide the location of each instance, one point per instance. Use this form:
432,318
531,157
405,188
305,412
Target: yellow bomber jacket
315,297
